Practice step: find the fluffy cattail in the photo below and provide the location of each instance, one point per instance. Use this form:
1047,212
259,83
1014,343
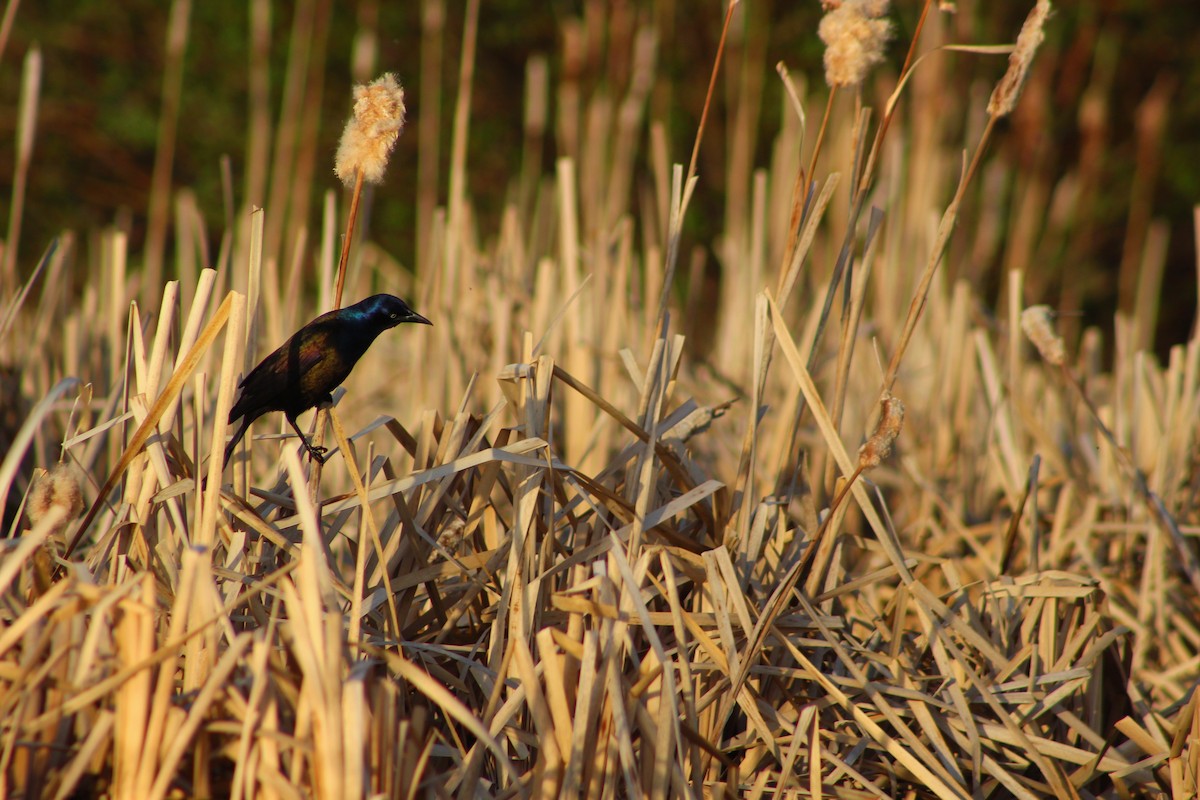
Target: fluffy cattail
371,132
1004,96
879,446
854,33
1038,324
58,488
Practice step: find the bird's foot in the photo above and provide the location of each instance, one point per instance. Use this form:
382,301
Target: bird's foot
317,452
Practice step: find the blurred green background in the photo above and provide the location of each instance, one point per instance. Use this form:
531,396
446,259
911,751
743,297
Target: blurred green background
102,91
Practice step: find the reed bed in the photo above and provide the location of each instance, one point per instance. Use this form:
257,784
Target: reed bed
593,537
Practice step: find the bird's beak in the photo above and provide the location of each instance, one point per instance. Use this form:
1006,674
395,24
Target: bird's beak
415,317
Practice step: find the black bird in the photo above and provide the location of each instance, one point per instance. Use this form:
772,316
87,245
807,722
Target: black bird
303,372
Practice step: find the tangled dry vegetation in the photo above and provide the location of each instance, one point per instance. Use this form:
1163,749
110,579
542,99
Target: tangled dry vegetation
577,541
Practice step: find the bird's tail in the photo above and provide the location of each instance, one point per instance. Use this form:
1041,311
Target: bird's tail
237,437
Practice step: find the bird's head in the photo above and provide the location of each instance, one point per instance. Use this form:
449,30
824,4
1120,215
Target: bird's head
385,311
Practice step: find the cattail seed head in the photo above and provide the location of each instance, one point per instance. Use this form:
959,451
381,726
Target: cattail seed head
879,446
58,488
855,33
1004,96
371,132
1038,324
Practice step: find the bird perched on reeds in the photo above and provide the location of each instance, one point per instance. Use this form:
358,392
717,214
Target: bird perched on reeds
304,371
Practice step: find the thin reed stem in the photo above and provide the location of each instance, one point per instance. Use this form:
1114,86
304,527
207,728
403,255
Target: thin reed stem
347,239
678,214
816,152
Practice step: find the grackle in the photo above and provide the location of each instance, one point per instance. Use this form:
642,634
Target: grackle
303,372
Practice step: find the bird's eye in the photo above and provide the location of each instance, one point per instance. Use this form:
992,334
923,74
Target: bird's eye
394,315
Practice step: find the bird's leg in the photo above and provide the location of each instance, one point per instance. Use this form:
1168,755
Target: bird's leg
323,405
317,453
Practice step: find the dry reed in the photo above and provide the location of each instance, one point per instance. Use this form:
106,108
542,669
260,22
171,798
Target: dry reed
551,556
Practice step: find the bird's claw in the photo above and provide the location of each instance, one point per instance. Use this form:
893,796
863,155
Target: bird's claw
317,452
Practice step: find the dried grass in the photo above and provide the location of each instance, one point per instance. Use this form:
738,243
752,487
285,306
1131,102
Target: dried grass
562,563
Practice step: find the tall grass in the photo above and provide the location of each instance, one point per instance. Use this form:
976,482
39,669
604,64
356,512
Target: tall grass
598,533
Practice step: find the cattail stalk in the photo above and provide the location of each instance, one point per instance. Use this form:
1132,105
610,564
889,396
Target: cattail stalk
362,157
1027,42
1008,89
874,452
364,150
676,228
855,33
344,258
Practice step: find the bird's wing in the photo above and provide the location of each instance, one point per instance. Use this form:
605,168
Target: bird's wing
269,386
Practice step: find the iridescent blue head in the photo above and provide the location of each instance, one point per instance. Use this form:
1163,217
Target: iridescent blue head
383,311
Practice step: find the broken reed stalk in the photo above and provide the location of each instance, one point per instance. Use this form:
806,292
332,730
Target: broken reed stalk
183,373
